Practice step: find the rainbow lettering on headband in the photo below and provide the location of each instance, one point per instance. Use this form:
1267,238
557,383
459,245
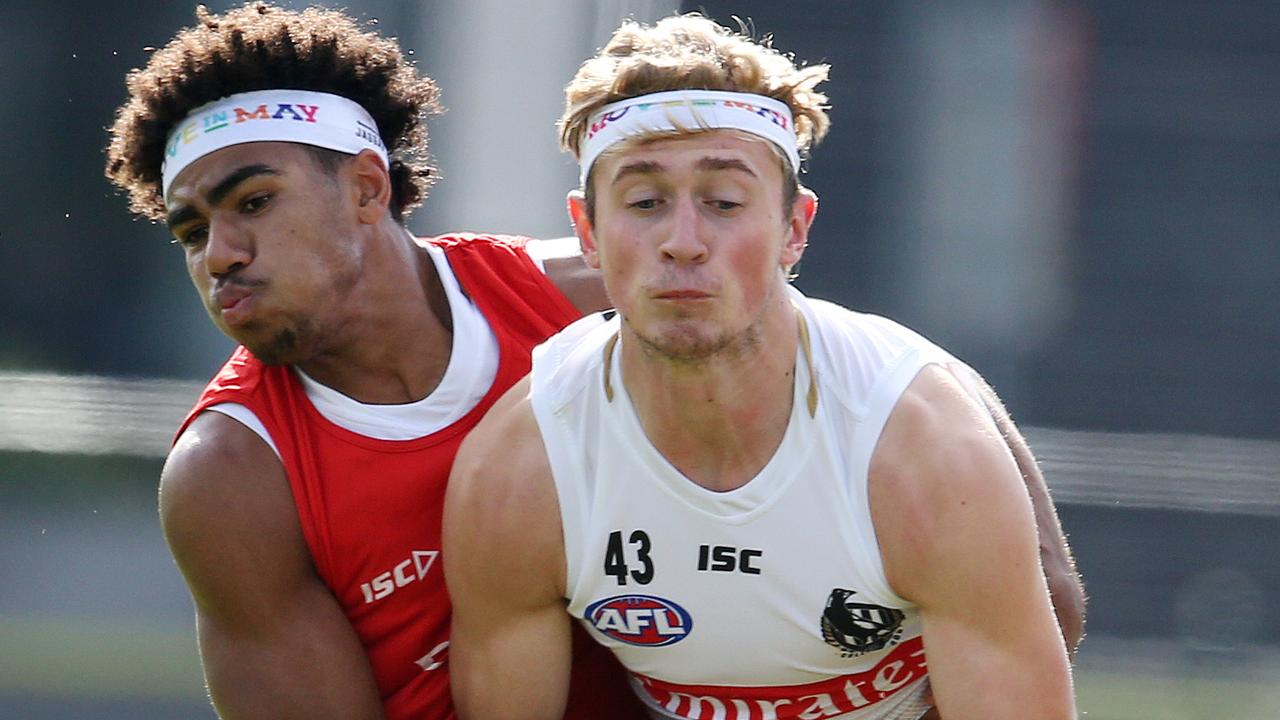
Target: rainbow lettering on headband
220,119
685,110
298,116
780,119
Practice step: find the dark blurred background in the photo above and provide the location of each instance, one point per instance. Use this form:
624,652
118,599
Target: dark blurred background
1080,198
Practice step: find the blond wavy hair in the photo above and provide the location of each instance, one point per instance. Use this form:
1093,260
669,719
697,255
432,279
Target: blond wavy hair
690,51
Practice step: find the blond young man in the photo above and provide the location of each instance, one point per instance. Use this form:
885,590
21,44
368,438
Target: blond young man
766,505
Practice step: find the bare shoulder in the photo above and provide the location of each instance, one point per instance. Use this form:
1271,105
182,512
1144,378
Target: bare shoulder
506,440
941,480
935,437
228,514
501,505
212,445
219,465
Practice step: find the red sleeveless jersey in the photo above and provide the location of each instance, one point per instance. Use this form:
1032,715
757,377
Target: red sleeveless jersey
371,509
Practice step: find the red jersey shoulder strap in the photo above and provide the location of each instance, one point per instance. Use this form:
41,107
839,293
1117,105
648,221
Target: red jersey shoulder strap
505,284
239,380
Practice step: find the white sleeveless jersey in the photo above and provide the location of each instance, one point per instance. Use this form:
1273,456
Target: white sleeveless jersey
766,602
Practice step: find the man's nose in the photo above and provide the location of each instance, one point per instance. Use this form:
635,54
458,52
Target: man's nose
684,241
227,249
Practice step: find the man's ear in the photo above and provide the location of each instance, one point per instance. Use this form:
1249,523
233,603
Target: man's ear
581,220
371,187
802,212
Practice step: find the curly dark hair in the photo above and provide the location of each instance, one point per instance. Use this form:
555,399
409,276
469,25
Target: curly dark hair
259,47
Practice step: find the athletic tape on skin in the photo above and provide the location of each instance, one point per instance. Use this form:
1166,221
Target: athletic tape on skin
300,116
686,110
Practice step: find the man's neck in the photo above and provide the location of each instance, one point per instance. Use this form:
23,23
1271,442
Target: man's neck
392,344
719,421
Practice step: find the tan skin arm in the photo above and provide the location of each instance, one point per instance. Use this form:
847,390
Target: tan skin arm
1065,588
958,537
504,564
273,640
580,283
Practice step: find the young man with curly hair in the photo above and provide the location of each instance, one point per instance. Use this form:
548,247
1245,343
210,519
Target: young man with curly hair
766,505
302,498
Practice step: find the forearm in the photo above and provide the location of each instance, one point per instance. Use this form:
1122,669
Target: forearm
1065,588
1067,595
315,673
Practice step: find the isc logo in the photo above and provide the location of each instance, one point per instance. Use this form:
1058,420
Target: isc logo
640,620
411,569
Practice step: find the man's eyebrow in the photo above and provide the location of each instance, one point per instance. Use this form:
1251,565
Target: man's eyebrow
722,163
639,167
220,191
239,175
642,167
180,216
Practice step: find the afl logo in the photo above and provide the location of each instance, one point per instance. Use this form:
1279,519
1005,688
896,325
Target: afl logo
641,620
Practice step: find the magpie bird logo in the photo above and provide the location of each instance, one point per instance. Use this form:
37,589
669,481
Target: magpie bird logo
857,628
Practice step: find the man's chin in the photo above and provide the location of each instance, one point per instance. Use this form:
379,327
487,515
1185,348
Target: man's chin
696,342
686,346
282,349
267,358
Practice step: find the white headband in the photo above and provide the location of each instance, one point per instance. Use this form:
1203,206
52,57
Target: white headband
299,116
684,110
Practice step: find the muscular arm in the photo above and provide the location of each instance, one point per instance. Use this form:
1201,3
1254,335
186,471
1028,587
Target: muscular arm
1065,588
273,640
958,538
510,647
